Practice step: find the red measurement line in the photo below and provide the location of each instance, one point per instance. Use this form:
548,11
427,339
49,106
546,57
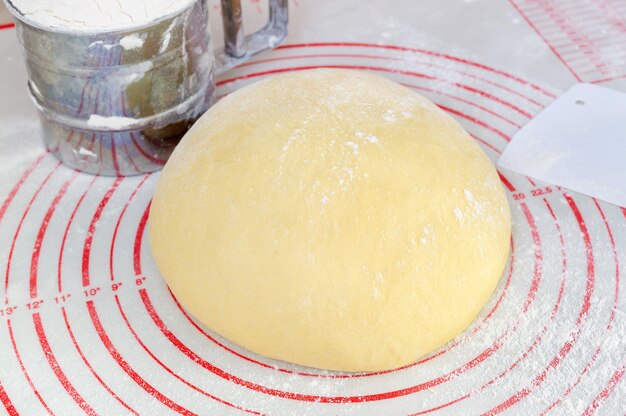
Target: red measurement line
479,123
93,372
34,264
615,258
611,316
598,21
573,386
19,227
607,390
9,199
389,58
172,373
422,51
609,79
25,372
380,69
92,229
506,182
7,26
538,32
18,185
534,285
598,41
138,238
56,368
119,220
575,334
124,365
66,233
6,402
454,97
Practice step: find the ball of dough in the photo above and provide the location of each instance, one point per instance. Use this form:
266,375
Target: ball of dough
332,219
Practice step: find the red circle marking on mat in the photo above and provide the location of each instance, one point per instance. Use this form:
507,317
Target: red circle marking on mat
6,402
422,51
381,69
24,371
19,227
56,368
569,389
575,334
607,390
124,365
59,282
118,222
11,196
390,58
66,232
91,369
41,335
34,262
172,373
92,229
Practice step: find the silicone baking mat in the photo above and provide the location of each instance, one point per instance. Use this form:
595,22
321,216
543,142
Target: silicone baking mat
87,325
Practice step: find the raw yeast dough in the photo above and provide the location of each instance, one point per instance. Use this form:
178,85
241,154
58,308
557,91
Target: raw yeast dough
332,219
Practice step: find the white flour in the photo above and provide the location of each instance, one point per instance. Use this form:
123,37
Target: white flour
96,15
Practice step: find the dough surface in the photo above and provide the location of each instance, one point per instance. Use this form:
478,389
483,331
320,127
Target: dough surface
332,219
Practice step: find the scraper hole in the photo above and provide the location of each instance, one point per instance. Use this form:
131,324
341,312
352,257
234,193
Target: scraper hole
580,102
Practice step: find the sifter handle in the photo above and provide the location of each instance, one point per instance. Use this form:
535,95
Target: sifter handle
239,47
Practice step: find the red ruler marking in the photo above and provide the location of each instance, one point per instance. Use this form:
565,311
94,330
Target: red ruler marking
6,402
571,30
571,387
92,229
56,368
138,239
66,233
18,185
119,220
24,371
616,259
172,373
575,334
124,365
7,26
19,227
421,51
34,264
534,284
95,374
607,390
381,69
390,58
